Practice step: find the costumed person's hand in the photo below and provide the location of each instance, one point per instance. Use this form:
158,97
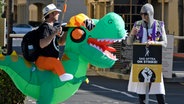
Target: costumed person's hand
149,43
134,31
147,74
58,30
62,39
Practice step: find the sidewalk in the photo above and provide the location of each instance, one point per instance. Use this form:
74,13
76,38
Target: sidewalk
178,75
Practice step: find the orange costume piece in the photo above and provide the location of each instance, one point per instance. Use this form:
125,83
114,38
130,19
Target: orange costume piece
50,63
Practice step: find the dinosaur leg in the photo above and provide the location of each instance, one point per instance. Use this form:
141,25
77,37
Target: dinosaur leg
50,63
46,93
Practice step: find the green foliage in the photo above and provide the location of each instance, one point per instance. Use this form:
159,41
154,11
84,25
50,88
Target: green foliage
1,5
9,94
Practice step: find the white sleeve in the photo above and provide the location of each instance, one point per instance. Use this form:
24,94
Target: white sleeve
164,37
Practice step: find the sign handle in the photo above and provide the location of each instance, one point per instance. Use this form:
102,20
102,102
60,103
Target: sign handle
64,10
147,92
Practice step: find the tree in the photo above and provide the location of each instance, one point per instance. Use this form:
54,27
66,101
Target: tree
9,94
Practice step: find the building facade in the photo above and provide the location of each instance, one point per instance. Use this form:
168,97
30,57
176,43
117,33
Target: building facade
169,11
30,11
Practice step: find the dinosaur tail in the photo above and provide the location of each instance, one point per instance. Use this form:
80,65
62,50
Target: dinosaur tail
20,71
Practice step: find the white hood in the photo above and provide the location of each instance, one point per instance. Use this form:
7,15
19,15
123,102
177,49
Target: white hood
148,8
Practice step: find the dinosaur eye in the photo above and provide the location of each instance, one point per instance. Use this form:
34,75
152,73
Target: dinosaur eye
89,24
110,21
78,35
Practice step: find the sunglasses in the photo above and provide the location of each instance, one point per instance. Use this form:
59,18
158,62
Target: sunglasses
143,13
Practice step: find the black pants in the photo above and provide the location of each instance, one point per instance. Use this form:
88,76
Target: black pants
160,98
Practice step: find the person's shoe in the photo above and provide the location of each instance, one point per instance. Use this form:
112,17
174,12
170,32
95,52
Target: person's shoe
66,77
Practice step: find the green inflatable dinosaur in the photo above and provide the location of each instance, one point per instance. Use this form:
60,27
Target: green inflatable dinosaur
83,46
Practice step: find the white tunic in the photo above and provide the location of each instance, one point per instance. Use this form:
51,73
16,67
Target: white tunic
140,87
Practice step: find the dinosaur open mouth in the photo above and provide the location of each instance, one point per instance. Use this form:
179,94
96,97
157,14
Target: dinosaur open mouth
103,46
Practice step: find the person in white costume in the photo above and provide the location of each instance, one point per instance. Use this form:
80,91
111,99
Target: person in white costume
149,31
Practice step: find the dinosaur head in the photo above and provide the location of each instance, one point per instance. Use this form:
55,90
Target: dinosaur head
92,40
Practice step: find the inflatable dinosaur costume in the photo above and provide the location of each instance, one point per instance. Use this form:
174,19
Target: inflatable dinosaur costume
90,47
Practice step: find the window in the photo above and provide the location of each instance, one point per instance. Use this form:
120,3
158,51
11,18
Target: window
129,10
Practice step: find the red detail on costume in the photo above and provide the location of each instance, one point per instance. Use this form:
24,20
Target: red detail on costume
102,44
78,23
150,38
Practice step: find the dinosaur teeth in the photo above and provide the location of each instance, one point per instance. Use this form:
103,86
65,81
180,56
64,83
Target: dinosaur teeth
103,45
115,41
97,47
110,55
106,53
119,40
109,40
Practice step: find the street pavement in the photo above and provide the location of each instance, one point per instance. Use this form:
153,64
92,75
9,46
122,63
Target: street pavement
103,90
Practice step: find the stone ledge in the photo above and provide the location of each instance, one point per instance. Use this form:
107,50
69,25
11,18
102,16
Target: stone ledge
92,72
179,75
114,75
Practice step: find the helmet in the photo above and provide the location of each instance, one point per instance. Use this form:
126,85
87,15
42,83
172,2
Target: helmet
77,20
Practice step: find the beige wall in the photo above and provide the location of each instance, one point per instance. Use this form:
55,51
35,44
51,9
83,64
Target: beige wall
173,22
33,11
27,12
171,18
97,9
170,15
